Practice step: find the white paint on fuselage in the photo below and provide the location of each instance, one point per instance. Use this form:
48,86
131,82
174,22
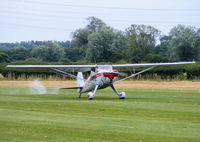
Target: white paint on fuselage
101,81
98,79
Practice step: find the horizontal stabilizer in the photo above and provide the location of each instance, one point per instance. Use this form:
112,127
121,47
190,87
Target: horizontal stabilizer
72,88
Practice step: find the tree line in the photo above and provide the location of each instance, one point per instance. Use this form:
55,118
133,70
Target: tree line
97,42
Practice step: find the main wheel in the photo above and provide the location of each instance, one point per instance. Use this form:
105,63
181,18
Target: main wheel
90,96
122,95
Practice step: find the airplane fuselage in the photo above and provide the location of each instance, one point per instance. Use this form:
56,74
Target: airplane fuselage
102,78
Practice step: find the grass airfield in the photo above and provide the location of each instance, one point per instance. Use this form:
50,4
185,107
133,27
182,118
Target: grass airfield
146,115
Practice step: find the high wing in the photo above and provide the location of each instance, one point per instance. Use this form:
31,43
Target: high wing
129,67
47,68
85,68
151,64
64,69
148,66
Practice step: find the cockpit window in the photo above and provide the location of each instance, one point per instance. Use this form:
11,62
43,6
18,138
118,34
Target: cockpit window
105,67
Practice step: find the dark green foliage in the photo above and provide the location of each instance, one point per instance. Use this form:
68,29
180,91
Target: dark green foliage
99,45
73,53
182,44
180,72
99,42
153,58
50,52
18,53
141,40
32,61
44,50
163,49
193,71
3,48
3,57
81,36
65,61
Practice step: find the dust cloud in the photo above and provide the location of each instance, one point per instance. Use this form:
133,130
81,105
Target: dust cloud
36,87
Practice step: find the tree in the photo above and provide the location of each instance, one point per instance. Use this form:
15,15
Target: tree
73,54
18,53
65,61
80,36
141,40
163,49
183,43
95,24
99,45
153,58
106,45
119,47
50,52
3,57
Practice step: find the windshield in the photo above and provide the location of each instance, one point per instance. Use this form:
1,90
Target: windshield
105,67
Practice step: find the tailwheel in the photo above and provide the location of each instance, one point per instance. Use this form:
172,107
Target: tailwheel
122,95
90,96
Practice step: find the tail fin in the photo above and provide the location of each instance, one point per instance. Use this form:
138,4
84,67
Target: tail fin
80,83
80,80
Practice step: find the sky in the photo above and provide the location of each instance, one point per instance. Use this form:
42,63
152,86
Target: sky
26,20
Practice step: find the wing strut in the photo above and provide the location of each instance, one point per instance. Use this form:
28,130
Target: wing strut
136,74
65,73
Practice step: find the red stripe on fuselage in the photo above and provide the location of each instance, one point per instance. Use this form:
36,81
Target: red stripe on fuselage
99,74
110,75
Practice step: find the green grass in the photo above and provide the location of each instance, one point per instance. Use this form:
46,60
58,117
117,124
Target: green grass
144,116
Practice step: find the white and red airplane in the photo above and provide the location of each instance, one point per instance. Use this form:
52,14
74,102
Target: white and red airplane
101,76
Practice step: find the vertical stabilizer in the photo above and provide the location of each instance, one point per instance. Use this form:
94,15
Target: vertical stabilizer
80,80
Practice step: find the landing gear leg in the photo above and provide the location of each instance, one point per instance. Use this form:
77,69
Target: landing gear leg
91,94
79,96
120,95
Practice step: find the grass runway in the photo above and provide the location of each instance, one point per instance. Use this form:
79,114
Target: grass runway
145,115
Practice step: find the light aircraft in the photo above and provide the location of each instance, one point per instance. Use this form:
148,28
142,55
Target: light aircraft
101,76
